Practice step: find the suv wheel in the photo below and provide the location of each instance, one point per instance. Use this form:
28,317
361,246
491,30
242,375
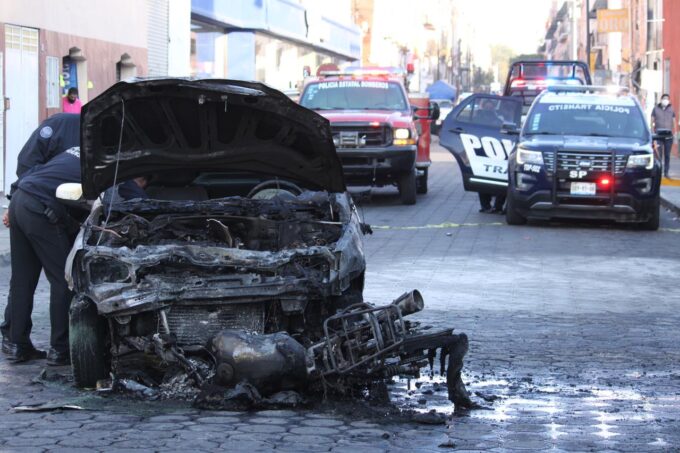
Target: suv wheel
421,182
512,217
407,188
88,334
653,223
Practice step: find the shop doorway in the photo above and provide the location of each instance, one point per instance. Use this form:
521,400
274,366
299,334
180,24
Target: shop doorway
21,85
125,68
74,74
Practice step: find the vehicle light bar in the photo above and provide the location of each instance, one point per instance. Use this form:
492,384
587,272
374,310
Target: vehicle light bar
395,72
612,89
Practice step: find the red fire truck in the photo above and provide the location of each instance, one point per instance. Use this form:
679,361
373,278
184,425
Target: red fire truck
381,133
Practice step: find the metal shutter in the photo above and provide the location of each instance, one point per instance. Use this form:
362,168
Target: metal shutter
157,37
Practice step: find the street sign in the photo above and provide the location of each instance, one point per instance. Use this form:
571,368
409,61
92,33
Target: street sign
612,20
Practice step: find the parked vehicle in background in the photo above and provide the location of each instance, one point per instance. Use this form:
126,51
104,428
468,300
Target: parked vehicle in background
527,79
463,96
584,152
380,133
444,94
445,107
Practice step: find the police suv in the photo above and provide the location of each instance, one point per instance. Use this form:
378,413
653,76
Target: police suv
584,152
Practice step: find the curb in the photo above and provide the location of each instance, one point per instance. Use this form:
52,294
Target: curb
668,204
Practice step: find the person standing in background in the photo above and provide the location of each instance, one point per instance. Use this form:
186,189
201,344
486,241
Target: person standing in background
663,123
71,103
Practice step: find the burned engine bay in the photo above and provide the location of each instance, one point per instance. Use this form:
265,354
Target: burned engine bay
222,293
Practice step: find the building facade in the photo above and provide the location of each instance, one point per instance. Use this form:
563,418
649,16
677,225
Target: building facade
47,47
273,41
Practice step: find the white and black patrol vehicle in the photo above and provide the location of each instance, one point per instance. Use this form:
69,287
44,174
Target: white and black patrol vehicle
584,152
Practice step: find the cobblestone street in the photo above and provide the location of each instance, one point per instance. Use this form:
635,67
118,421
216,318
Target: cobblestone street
574,346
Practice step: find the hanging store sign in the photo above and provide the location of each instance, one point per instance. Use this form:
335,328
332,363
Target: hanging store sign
612,20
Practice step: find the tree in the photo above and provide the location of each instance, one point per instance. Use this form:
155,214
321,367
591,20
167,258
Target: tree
501,55
481,79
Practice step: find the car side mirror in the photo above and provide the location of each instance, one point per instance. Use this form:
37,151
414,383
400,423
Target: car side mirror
509,129
434,111
71,195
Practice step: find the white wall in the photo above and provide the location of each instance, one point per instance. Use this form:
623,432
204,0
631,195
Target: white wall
119,21
179,39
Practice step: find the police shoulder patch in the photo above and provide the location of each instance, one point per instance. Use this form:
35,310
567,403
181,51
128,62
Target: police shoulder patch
46,132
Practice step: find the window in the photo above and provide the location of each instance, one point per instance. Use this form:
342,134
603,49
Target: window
585,117
52,75
491,111
354,94
208,51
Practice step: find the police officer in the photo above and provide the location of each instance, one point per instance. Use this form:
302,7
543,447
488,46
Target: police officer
41,234
54,135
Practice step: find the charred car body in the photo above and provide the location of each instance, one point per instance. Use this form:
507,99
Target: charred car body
245,264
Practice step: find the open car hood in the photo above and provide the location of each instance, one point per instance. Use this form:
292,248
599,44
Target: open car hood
204,125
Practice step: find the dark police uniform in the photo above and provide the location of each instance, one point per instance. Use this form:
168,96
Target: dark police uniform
54,135
40,239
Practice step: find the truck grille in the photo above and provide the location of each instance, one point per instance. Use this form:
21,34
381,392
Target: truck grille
576,160
355,135
197,324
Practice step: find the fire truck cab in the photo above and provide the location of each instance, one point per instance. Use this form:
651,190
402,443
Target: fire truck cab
381,134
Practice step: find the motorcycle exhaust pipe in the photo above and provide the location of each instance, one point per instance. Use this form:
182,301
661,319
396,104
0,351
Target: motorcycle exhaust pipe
410,302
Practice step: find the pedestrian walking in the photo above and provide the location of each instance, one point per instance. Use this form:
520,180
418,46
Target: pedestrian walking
41,234
663,124
54,135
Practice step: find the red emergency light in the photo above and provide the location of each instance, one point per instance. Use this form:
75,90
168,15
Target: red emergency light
605,181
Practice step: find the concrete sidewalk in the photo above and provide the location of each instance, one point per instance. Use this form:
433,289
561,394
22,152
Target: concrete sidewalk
670,187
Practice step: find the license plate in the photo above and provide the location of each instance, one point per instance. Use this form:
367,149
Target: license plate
583,188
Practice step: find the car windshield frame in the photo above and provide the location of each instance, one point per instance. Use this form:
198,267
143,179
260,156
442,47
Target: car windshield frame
365,85
614,119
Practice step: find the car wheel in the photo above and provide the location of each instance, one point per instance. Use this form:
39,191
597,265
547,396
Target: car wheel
653,223
512,217
88,341
407,188
421,183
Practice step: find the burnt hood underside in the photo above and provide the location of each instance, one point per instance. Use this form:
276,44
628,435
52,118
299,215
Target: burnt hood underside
204,125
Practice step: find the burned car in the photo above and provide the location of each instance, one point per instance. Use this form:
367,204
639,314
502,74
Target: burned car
244,264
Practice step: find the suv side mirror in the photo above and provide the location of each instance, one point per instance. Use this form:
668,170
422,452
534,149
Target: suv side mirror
71,195
434,111
509,129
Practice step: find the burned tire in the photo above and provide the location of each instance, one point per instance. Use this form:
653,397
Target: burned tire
407,188
421,183
512,217
88,343
653,223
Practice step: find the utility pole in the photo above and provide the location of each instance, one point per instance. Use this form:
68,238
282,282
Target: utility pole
588,34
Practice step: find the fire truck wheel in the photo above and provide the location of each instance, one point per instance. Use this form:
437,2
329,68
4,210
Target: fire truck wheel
421,183
407,188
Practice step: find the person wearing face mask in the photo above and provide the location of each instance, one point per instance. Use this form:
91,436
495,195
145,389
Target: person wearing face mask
663,123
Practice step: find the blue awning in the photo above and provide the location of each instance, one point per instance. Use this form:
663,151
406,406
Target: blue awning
442,90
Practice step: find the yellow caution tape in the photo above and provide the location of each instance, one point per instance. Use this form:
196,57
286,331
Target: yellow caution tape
437,226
